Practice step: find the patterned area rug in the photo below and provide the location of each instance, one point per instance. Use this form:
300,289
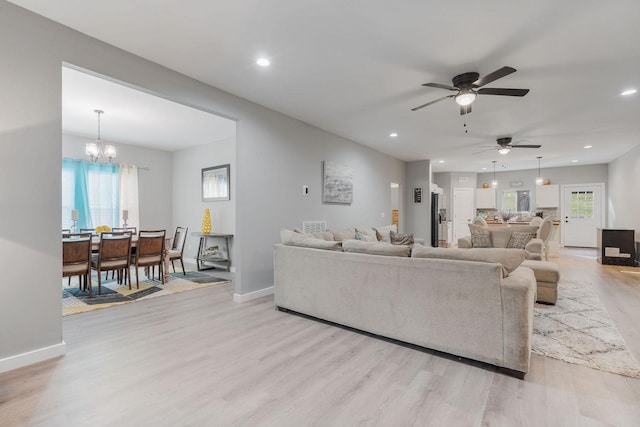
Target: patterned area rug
76,301
578,330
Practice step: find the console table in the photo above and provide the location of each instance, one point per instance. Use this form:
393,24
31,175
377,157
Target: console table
213,249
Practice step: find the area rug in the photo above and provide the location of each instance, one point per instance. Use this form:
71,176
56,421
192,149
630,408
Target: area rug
75,300
578,330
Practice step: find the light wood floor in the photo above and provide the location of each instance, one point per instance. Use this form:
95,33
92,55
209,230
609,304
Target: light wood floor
198,359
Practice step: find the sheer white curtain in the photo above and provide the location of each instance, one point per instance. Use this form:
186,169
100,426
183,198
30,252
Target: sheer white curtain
129,194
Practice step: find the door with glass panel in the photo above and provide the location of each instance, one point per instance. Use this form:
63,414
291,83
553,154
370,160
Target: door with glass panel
582,214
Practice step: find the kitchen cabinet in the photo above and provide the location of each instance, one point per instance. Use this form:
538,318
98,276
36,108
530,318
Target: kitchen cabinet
548,196
485,198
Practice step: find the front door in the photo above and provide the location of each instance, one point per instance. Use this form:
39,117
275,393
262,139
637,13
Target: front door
462,212
582,214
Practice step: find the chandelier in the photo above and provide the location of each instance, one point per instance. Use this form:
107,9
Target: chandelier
94,149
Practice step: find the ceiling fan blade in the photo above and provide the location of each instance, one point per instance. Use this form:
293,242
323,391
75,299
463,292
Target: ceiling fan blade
440,86
465,109
505,92
526,146
504,71
432,102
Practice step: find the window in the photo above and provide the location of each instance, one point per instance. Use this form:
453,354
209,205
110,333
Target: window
93,189
582,204
516,200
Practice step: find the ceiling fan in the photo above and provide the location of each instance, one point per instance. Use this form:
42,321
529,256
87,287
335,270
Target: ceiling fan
505,145
466,85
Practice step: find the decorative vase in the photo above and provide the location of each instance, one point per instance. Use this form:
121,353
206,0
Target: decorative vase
206,222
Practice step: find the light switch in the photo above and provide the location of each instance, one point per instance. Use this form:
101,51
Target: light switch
305,190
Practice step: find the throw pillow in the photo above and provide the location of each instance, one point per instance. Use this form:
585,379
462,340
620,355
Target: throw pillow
384,233
364,237
368,232
480,239
291,238
400,239
519,240
340,235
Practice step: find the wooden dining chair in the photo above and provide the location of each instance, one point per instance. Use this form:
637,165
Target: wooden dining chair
132,230
114,254
177,248
76,258
149,252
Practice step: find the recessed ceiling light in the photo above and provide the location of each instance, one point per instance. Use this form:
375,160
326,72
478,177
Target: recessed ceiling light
263,62
574,161
629,92
393,134
484,169
588,146
441,161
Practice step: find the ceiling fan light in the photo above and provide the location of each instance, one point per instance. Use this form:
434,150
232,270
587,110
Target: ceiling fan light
465,97
504,150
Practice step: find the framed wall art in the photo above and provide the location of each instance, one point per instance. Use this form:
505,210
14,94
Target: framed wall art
216,183
337,183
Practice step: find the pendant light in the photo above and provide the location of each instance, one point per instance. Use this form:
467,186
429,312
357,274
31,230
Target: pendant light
539,179
94,149
494,183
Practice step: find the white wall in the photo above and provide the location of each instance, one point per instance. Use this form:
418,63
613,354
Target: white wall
154,185
188,207
275,156
623,203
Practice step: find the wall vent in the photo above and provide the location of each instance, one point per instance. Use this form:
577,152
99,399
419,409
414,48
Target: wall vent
314,226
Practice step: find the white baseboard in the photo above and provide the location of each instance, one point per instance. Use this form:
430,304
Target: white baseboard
253,295
31,357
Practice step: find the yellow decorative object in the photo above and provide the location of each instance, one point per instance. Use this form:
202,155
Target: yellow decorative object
206,222
103,228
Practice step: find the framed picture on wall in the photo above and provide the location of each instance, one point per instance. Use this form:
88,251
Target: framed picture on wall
417,195
215,183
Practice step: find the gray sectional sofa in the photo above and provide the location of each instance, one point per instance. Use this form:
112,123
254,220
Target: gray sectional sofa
479,306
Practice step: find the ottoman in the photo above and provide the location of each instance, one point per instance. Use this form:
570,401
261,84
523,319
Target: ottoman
547,277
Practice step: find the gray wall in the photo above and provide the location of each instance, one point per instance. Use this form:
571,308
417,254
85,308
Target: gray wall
449,181
276,155
154,185
188,207
623,204
418,216
586,174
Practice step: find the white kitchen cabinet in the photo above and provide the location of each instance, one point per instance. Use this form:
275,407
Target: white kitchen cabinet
548,196
485,198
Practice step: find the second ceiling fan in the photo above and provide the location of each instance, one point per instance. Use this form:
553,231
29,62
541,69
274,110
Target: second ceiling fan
467,86
505,145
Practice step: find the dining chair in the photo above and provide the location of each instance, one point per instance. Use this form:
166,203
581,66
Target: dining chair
88,230
132,230
177,249
149,252
114,254
76,258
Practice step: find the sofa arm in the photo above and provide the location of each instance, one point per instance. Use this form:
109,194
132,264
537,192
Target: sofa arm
534,246
464,242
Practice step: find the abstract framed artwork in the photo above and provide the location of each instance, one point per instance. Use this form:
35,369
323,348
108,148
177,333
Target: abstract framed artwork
337,183
215,183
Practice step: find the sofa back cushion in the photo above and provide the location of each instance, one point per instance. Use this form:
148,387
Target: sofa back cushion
510,259
346,234
291,238
324,235
376,248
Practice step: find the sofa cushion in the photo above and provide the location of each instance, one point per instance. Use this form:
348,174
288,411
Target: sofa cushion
290,237
369,232
384,233
365,237
340,235
518,240
480,236
400,238
324,235
510,259
376,248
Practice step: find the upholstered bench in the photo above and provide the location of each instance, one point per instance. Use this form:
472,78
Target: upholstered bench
547,277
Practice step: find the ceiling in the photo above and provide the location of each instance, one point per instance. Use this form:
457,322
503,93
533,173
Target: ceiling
135,117
355,68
